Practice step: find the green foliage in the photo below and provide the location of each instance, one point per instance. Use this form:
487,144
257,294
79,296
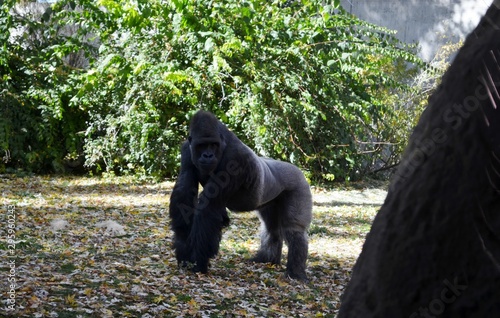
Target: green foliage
38,127
408,105
301,81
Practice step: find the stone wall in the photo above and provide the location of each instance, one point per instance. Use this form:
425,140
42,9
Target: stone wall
431,23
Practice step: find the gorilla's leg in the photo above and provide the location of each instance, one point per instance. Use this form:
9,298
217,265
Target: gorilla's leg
296,211
271,239
297,254
287,217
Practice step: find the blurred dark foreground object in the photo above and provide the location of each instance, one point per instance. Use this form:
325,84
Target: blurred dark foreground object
434,247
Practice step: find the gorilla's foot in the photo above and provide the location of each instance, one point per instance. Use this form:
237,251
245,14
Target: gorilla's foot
262,257
301,276
200,267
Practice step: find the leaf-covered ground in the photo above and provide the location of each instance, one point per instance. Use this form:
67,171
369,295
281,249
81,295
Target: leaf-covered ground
89,247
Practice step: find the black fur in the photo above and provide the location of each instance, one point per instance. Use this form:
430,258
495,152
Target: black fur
233,176
434,246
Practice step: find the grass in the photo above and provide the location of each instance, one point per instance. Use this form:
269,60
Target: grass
66,266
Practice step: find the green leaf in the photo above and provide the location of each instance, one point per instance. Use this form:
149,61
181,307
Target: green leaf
209,45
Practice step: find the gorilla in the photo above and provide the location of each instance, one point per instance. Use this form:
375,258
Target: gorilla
234,177
434,246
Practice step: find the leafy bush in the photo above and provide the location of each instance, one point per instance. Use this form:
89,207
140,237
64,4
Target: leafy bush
38,127
408,105
301,81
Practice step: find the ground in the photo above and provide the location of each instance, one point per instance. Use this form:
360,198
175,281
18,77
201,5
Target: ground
94,247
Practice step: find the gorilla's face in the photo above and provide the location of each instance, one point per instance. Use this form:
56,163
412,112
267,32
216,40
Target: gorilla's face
206,152
206,144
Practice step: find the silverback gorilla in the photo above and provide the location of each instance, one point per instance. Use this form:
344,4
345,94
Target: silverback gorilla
233,176
434,247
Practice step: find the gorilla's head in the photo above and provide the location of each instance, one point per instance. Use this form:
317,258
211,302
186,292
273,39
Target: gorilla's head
205,141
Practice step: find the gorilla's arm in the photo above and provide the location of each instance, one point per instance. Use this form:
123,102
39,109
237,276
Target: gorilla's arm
209,219
183,203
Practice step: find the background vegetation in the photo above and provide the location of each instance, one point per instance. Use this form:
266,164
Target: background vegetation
112,84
